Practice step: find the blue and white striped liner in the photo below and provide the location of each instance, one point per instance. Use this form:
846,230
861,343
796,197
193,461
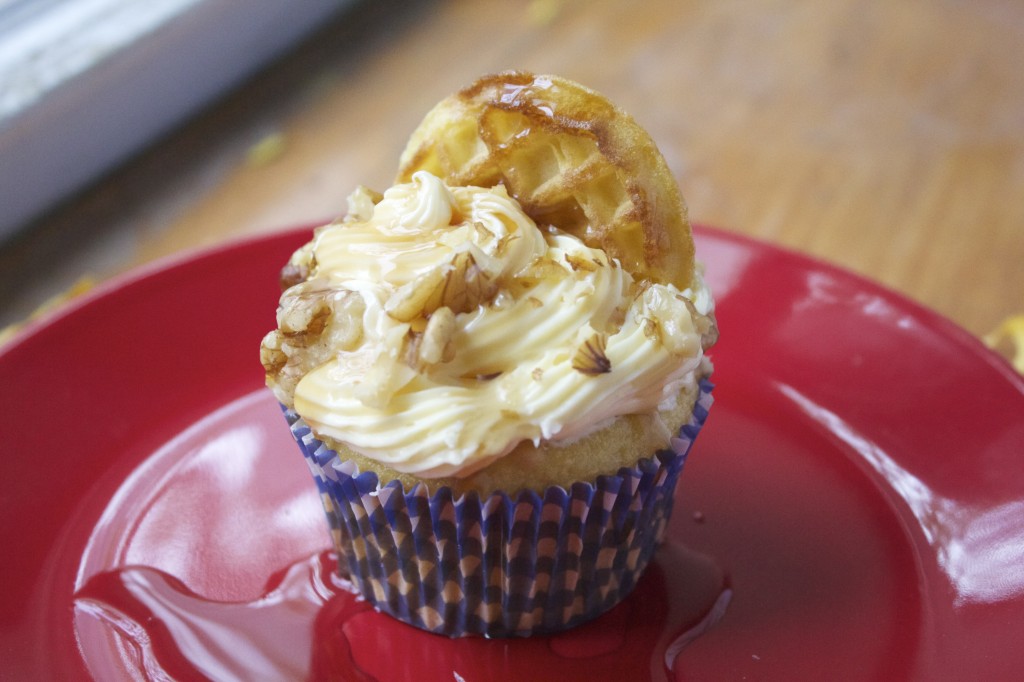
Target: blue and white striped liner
498,565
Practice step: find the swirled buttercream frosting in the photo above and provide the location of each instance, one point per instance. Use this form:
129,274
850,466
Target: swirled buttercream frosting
434,328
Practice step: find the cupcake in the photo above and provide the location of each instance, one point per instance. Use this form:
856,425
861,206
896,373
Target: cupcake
495,369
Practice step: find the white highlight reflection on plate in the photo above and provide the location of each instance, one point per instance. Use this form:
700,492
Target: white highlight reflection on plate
980,549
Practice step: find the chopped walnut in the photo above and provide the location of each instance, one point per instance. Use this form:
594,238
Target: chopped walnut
361,203
616,320
504,242
482,231
706,325
302,319
539,270
651,330
410,300
435,345
272,357
577,263
313,323
292,274
466,286
460,285
708,328
300,267
590,358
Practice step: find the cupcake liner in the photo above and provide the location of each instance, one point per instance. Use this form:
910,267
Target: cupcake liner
498,565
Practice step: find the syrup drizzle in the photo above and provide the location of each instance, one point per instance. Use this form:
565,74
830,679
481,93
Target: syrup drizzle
309,624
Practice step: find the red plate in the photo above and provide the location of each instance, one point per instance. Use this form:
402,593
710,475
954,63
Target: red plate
854,507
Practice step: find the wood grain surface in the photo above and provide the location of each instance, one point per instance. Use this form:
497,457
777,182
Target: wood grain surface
884,137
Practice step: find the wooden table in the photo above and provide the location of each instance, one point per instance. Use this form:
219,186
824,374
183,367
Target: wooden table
885,137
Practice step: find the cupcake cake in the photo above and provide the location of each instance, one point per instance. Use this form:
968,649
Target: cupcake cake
496,367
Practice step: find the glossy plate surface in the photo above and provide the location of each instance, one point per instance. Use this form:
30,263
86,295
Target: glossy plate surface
854,507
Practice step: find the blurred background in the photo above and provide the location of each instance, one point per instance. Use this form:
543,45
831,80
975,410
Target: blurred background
884,137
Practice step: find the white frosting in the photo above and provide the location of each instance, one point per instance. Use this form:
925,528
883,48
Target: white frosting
505,365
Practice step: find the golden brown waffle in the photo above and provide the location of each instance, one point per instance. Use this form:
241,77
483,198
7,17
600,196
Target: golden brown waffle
571,158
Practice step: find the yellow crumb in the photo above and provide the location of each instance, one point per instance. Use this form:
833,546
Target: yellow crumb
267,150
1012,331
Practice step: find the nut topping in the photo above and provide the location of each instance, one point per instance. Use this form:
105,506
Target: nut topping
360,204
435,345
302,319
460,285
577,262
590,358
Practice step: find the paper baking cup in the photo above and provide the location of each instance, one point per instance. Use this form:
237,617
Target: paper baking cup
498,565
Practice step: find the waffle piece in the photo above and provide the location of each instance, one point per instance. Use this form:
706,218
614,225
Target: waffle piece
571,158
